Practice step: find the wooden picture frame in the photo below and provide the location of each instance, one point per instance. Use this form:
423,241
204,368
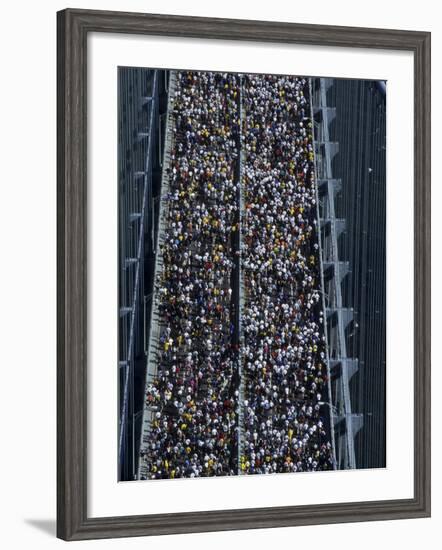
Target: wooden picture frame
73,27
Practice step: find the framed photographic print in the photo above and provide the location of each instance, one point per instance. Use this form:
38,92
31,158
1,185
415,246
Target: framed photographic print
243,274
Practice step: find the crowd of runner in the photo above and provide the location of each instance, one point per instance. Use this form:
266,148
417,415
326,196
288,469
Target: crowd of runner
194,395
196,392
284,339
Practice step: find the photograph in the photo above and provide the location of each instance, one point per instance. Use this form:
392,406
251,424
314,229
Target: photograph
219,244
243,273
251,274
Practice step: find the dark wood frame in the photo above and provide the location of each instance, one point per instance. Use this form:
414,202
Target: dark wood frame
73,27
